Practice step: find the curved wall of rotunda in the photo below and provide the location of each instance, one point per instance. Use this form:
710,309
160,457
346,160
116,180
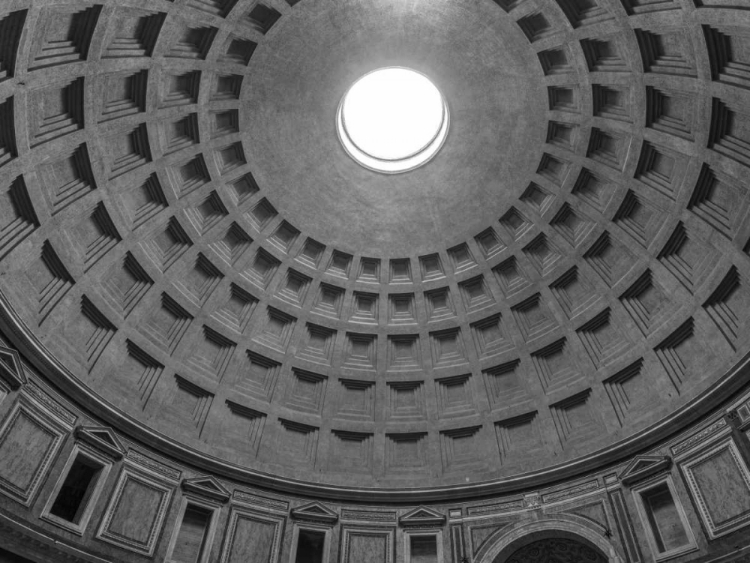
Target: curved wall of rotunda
222,339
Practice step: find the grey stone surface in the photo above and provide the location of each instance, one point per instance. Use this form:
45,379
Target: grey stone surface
185,243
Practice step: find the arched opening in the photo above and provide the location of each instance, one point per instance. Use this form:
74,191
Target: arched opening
549,541
554,550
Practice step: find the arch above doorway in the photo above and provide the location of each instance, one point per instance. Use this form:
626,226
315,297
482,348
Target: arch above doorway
525,534
557,550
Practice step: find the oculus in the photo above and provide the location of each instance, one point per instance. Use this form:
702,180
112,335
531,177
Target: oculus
392,120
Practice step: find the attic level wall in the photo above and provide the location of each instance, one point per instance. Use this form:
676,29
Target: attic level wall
143,506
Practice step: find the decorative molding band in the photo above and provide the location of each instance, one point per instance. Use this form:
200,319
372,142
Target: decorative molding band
368,515
35,393
699,437
152,466
259,502
577,490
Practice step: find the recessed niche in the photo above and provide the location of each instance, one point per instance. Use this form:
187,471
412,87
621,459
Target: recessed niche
537,197
11,27
74,497
340,264
401,309
310,546
226,87
490,337
439,304
423,548
329,300
461,257
431,266
192,537
239,51
233,244
489,242
365,308
262,18
404,353
400,270
179,89
136,36
219,8
406,399
193,42
261,214
563,98
369,270
63,35
224,122
311,252
243,189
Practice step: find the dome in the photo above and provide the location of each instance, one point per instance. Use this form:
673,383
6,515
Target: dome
190,253
189,243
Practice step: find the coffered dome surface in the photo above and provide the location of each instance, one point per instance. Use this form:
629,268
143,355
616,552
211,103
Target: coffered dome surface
187,249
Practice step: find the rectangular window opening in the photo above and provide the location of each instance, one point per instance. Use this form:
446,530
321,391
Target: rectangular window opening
310,546
423,549
191,539
76,490
664,518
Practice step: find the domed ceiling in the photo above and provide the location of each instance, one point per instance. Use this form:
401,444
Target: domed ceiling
187,249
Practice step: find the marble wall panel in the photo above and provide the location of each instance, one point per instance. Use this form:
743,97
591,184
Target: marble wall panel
252,538
28,444
367,545
719,482
135,514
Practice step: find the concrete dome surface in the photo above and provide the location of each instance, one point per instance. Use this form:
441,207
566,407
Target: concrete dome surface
190,257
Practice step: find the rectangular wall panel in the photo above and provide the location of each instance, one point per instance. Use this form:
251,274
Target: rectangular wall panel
625,526
457,542
28,445
367,545
719,482
136,512
252,538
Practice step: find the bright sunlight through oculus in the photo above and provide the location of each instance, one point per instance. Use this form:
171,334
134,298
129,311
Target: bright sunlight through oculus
392,120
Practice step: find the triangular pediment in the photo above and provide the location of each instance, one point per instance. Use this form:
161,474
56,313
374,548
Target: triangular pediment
101,438
105,437
207,487
422,516
315,512
641,467
11,369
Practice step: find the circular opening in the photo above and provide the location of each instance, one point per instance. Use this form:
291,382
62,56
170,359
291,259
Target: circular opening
392,120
